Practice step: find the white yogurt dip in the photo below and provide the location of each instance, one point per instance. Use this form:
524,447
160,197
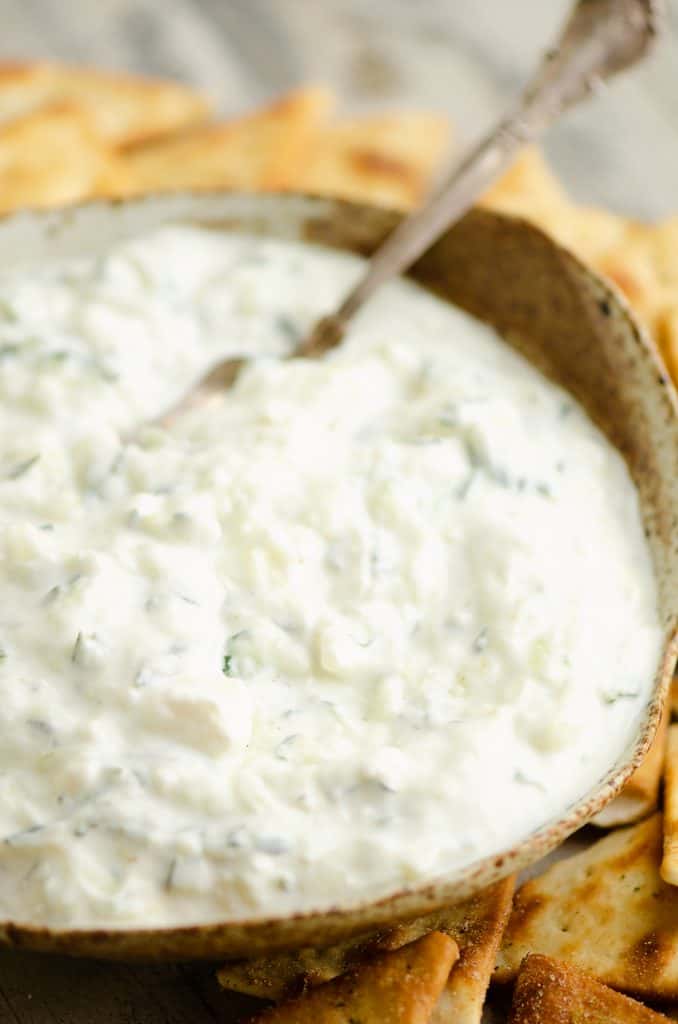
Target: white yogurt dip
353,624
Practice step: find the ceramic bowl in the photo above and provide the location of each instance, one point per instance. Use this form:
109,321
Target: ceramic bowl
570,324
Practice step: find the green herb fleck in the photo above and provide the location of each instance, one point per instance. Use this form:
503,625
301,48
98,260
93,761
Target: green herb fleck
77,649
525,780
612,698
480,643
169,877
7,312
22,468
227,666
288,329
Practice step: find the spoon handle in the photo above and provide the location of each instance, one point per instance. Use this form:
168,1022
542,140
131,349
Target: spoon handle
600,38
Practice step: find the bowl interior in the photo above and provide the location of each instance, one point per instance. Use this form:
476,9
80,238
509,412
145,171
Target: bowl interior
567,322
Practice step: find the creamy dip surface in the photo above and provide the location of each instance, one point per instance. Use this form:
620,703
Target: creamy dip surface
353,624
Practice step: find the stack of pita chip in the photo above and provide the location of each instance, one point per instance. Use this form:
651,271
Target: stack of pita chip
70,134
593,930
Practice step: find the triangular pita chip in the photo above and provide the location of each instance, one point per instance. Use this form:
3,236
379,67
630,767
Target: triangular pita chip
461,1001
551,992
475,925
121,107
388,159
640,795
258,151
669,868
641,259
529,189
48,158
400,987
607,911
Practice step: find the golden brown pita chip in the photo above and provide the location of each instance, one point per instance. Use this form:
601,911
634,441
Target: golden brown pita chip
607,911
387,159
475,925
400,987
669,868
286,974
461,1001
529,189
122,108
641,259
640,795
48,158
551,992
255,152
667,338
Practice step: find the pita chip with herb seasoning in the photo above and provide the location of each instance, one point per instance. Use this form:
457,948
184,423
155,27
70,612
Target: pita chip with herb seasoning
551,992
399,987
121,107
476,925
669,868
640,795
389,159
606,910
50,157
261,150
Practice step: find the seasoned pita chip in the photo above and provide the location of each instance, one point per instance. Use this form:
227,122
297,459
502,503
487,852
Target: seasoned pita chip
122,108
551,992
461,1001
48,158
667,339
286,974
400,987
387,159
669,868
640,795
529,189
607,911
641,259
259,151
475,925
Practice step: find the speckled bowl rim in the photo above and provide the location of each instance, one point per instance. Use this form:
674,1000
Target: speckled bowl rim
26,236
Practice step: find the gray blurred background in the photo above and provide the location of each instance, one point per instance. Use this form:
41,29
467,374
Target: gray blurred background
466,57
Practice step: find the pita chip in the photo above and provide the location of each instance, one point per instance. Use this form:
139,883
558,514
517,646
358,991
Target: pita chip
640,795
551,992
48,158
461,1001
286,974
122,108
400,987
529,189
259,151
669,868
388,159
641,259
476,926
607,911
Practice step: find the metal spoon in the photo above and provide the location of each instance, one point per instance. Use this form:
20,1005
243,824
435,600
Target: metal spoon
599,39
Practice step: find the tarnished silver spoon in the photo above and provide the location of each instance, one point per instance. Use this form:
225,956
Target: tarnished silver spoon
599,39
